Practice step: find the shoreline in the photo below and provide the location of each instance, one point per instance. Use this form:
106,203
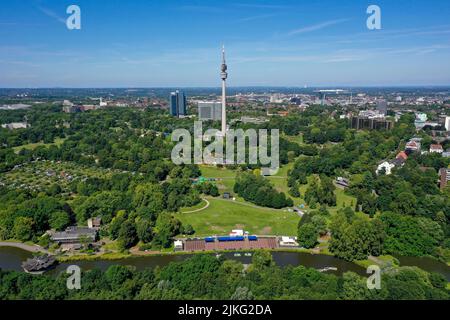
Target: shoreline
118,256
33,248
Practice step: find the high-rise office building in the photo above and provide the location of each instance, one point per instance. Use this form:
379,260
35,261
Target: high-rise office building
382,107
447,123
178,104
210,110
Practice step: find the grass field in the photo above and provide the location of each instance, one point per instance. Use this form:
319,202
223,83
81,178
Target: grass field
32,146
298,139
198,206
279,181
224,215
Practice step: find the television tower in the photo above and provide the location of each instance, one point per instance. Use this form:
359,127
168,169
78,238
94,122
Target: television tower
223,76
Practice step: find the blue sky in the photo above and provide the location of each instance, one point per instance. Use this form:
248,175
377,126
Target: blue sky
165,43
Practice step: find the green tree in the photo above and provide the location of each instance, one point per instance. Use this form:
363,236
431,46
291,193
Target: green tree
144,230
307,235
23,229
59,220
127,235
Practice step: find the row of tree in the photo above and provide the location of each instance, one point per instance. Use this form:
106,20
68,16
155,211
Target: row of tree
206,277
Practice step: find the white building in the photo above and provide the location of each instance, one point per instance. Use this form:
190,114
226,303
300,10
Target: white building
15,125
386,166
237,233
421,116
288,242
436,148
178,245
447,123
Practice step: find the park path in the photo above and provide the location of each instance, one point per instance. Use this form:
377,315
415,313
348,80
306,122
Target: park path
23,246
200,209
249,205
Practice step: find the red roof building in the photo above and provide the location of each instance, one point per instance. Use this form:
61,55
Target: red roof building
402,155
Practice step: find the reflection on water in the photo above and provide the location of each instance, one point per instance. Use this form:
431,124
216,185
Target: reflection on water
11,259
428,264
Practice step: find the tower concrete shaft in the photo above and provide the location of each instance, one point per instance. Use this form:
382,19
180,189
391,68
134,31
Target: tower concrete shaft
223,76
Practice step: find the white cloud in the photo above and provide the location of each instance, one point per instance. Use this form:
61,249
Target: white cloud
316,27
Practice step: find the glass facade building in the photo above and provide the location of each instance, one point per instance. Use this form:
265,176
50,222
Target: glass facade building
178,104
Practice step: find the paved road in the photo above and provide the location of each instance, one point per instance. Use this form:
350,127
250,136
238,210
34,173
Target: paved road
27,247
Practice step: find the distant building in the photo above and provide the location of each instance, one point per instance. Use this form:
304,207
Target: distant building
343,182
15,125
237,233
74,235
178,245
413,146
71,109
177,104
94,223
421,116
385,167
436,148
444,175
382,107
364,123
261,120
103,104
447,123
67,103
402,155
288,242
210,110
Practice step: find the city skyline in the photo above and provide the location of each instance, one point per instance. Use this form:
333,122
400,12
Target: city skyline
174,44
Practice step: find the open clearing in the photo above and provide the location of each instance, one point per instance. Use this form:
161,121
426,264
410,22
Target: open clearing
224,215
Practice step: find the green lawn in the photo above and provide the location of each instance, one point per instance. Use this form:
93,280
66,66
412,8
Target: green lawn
227,177
224,215
32,146
196,207
279,181
298,139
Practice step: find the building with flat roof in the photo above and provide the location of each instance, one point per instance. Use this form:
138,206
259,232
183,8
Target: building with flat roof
15,125
366,123
74,235
210,110
382,107
177,104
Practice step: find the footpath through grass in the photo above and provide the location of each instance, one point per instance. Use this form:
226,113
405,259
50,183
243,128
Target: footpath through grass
224,215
